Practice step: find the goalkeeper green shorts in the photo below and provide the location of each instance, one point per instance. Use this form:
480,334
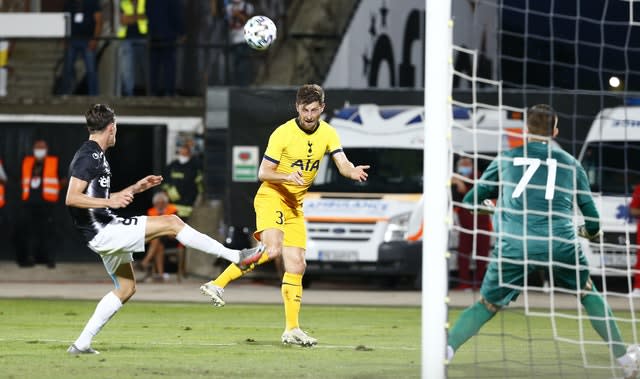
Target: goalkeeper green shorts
504,279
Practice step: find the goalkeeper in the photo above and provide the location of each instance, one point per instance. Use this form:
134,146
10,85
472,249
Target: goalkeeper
537,186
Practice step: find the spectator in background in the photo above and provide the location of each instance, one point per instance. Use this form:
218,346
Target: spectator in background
133,32
237,13
40,192
166,30
183,181
155,251
634,211
86,28
459,187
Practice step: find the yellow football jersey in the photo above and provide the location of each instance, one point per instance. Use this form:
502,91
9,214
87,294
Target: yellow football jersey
293,149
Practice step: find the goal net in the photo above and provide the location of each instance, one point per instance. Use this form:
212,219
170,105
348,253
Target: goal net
583,59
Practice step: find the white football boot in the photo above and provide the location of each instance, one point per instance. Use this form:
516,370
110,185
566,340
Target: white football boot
214,292
296,336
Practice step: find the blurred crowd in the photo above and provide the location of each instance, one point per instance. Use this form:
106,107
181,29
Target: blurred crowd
159,47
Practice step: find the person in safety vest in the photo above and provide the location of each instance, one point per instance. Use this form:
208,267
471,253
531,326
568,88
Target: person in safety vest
40,192
133,54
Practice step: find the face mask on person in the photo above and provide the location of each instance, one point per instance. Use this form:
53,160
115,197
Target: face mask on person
183,159
465,170
39,153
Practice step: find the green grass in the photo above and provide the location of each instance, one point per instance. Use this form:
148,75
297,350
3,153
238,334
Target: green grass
513,345
187,340
192,340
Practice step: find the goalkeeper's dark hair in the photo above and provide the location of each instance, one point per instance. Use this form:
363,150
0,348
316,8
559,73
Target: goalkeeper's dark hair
99,116
541,120
309,93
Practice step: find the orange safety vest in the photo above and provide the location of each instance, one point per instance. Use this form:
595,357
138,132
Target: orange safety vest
50,181
1,191
169,210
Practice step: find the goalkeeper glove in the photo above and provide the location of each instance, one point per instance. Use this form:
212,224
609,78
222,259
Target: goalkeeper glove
487,207
582,232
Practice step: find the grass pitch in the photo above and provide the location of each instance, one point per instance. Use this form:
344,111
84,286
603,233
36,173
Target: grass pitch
189,340
193,340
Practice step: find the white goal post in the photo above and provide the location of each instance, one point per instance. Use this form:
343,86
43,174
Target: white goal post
437,127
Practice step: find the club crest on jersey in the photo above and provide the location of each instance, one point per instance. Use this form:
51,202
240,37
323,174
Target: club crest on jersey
104,181
306,165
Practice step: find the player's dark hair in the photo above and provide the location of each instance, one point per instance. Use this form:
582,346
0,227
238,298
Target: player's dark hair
309,93
541,119
99,116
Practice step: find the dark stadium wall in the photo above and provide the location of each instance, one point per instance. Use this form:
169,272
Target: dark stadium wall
139,151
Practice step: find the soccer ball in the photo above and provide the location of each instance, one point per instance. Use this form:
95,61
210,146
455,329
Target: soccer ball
260,32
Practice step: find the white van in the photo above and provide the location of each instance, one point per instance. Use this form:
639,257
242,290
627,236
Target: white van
611,158
361,228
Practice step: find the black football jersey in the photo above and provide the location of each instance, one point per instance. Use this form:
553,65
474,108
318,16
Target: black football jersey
90,165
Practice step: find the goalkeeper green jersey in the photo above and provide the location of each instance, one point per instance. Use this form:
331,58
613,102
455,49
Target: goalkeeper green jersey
537,186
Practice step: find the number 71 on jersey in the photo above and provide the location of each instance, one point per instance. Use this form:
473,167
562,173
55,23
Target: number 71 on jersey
533,164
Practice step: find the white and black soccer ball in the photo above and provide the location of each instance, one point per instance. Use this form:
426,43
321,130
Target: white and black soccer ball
260,32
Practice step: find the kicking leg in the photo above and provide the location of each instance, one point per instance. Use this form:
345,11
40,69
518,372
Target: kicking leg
173,226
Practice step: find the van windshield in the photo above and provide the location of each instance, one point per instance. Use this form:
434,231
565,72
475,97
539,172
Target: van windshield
392,171
612,166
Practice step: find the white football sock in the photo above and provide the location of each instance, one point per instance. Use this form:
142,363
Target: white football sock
105,309
450,353
188,236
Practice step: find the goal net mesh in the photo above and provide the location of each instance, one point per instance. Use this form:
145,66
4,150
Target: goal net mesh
583,59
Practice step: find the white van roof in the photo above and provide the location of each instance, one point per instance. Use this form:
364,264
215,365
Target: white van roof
402,126
616,124
370,125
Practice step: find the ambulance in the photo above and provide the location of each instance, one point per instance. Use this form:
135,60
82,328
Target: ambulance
361,228
611,158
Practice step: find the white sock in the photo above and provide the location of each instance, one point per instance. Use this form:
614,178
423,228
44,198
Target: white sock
450,353
105,309
188,236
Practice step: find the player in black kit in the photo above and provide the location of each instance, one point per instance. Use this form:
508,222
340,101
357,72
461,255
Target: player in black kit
90,201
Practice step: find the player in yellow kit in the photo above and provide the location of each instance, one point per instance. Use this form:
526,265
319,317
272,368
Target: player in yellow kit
287,170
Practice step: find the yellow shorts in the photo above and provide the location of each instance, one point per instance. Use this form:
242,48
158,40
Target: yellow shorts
273,213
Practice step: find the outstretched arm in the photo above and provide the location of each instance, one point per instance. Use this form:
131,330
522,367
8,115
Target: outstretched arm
348,169
78,199
144,184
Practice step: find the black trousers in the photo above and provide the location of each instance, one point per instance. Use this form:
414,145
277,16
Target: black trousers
36,232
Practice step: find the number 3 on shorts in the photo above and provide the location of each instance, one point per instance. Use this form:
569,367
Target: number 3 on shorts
533,164
279,218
